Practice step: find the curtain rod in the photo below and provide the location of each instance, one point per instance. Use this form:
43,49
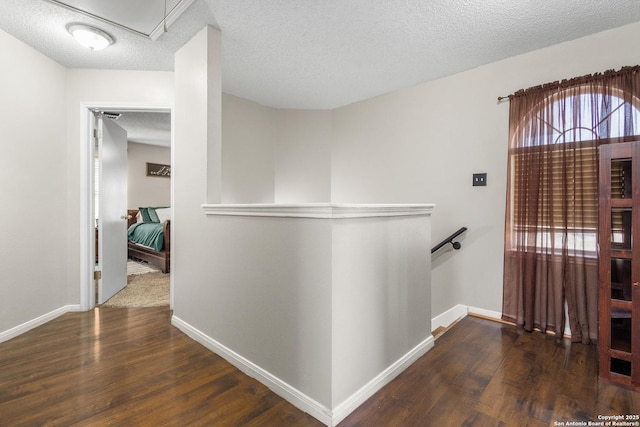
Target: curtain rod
575,80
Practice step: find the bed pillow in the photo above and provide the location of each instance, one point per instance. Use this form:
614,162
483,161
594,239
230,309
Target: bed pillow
146,217
139,218
153,215
163,214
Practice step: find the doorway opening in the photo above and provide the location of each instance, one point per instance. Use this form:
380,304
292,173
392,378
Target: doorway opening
150,132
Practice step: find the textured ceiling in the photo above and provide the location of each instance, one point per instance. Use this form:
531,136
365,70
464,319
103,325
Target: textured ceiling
328,53
147,128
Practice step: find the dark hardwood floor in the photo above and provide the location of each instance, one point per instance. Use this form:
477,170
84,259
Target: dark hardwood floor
484,373
128,367
131,367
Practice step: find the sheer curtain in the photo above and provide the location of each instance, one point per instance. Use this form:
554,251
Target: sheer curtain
552,204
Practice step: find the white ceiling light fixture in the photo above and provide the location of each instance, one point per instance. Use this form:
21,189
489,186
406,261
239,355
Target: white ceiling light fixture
90,37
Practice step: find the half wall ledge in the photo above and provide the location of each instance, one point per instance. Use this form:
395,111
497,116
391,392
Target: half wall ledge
318,210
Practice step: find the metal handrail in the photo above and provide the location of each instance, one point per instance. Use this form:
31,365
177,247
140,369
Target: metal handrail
456,245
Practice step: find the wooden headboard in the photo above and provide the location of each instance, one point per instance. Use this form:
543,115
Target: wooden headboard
132,217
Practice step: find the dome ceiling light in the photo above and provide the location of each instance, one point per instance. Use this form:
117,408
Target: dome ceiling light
90,37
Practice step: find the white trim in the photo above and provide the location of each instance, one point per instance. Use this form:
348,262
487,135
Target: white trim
172,16
87,227
385,377
34,323
172,178
281,388
486,313
497,316
318,210
448,317
459,311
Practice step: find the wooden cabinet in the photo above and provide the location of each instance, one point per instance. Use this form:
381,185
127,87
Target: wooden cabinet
619,263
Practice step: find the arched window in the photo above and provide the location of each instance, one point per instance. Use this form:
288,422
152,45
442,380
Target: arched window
554,169
582,117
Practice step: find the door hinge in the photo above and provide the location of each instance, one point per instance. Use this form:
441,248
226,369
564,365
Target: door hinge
97,275
96,133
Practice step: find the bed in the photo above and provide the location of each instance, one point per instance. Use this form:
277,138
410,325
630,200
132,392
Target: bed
150,238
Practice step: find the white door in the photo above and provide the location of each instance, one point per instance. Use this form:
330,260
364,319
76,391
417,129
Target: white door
112,223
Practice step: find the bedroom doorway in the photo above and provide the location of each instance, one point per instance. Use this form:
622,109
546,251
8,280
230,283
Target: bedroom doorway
152,128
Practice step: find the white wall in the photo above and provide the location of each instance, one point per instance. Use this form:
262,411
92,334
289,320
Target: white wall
422,145
249,137
147,190
265,295
272,155
33,185
303,156
380,300
193,252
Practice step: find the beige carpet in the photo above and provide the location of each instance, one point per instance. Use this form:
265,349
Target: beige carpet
142,290
140,267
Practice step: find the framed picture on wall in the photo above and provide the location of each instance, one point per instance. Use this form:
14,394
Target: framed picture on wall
156,169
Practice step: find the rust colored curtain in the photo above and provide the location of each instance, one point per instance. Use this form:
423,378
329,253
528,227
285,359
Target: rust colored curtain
552,201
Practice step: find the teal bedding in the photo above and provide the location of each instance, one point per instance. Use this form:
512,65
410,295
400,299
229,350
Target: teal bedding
147,234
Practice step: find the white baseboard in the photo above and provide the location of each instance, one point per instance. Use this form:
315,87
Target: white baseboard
27,326
496,315
385,377
485,313
281,388
458,312
448,317
295,396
